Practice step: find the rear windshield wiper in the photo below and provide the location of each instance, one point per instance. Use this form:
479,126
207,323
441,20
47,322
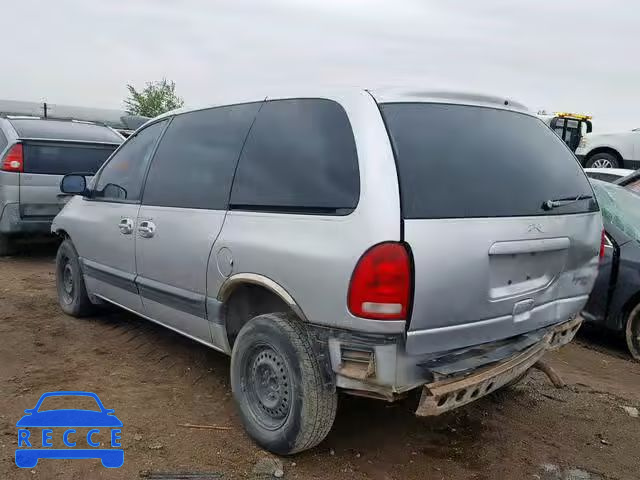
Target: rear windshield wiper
561,202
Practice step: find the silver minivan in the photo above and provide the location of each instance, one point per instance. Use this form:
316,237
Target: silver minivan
35,153
372,242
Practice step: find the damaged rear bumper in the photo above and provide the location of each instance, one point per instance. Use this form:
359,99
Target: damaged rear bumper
447,394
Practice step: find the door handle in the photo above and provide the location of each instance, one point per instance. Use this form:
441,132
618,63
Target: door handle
126,226
147,229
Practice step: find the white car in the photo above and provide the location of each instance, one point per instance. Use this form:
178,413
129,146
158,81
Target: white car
610,150
608,174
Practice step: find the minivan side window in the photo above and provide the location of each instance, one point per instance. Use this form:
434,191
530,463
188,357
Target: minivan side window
121,178
194,164
300,157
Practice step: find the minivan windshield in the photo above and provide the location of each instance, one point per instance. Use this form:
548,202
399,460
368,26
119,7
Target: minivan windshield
457,161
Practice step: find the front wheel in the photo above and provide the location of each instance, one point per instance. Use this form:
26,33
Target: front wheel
602,160
632,332
72,293
278,386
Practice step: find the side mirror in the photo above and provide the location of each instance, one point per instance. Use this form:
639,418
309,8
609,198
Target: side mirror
74,184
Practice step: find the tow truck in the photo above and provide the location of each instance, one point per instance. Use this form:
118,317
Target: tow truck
570,127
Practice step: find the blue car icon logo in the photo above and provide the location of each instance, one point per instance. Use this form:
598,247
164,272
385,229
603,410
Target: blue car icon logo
32,448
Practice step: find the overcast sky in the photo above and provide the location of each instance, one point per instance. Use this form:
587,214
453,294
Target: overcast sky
576,55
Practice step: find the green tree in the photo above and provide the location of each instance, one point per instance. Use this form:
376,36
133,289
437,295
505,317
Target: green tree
154,99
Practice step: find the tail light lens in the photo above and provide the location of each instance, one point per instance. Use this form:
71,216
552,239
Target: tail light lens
14,159
603,242
381,283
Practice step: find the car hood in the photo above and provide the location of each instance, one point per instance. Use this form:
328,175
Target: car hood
69,418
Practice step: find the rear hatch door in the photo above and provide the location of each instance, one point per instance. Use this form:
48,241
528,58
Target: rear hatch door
492,259
45,163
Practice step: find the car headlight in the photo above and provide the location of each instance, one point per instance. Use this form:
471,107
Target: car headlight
583,142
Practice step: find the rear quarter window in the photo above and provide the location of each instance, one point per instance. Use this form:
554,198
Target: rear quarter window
300,157
463,161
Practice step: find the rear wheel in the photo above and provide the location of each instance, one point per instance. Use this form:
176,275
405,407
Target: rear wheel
632,332
603,160
72,293
278,385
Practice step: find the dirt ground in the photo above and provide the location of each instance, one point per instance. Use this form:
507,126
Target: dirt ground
156,381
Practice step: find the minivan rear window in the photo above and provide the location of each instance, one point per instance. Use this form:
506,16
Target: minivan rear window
458,161
60,159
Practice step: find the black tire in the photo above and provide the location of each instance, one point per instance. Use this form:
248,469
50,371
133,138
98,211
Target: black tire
5,245
72,293
291,408
632,333
603,160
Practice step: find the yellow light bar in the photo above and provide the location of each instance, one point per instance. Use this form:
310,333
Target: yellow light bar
577,116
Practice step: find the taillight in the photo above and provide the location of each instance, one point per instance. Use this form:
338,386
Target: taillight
14,159
603,241
381,283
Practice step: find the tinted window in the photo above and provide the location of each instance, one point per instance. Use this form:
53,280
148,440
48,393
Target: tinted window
61,130
60,159
300,156
121,178
463,161
194,163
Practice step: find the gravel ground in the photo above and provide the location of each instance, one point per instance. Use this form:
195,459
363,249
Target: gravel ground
158,381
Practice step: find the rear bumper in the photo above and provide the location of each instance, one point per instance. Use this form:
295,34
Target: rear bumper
442,396
379,365
12,223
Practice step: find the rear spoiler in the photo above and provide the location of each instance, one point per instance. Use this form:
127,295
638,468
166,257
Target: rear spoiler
63,140
116,119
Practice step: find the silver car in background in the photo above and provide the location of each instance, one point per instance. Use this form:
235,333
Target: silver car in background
370,242
35,154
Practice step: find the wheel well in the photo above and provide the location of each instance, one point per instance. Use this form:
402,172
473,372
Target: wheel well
62,233
608,150
629,305
247,301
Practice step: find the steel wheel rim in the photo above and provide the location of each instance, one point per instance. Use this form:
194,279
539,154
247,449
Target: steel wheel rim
267,386
602,163
66,281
